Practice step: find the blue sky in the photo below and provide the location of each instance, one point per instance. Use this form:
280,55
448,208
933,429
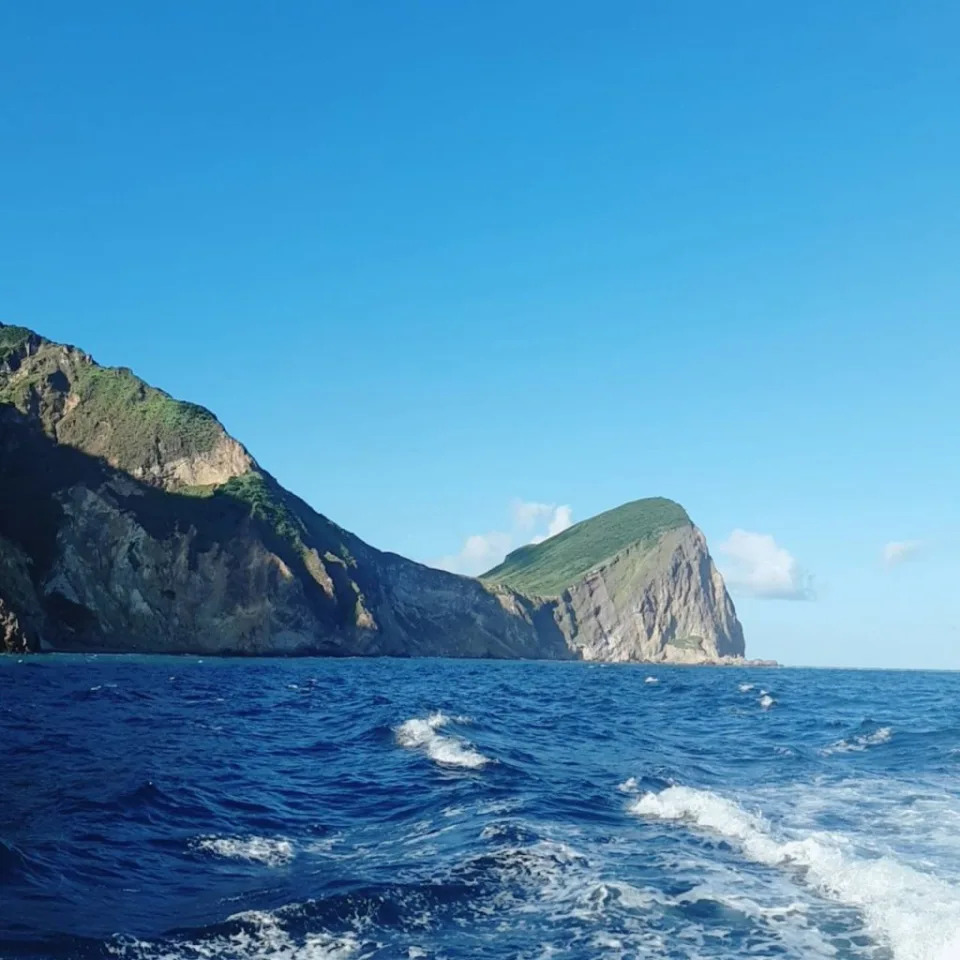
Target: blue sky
430,261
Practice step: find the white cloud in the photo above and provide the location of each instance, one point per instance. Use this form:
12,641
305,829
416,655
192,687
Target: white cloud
528,514
480,552
896,551
758,566
561,519
530,522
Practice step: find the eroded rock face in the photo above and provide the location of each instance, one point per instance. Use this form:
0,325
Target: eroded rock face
20,613
12,637
114,586
132,522
94,559
117,587
662,603
120,588
226,459
425,612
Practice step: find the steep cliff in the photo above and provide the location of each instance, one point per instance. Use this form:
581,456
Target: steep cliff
132,521
634,583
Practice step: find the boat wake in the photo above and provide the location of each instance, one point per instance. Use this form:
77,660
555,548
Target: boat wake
915,914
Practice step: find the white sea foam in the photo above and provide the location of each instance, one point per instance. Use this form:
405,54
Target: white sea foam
766,701
571,890
576,891
261,936
563,881
651,680
859,743
628,786
271,851
915,821
545,863
914,913
745,687
448,751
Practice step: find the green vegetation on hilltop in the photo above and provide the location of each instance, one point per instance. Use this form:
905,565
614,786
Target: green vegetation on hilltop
111,413
11,339
546,569
140,418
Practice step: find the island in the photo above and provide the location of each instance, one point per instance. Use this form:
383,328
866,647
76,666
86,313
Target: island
133,522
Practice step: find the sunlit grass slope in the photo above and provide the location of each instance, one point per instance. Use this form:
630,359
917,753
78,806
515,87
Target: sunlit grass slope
546,569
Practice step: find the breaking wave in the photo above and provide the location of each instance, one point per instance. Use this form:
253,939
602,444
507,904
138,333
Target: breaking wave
448,751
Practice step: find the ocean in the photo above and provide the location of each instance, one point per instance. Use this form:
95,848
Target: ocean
200,809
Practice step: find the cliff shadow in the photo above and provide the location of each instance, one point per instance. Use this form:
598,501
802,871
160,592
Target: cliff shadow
35,473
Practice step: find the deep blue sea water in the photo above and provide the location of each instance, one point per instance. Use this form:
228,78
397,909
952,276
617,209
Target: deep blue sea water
315,809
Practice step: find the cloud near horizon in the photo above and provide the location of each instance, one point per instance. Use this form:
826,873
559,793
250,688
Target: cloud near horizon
530,522
897,551
757,566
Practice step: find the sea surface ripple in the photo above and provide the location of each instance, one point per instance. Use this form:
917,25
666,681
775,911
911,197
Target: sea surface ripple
201,809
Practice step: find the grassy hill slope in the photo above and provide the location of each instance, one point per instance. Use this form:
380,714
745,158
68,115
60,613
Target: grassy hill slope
110,413
546,569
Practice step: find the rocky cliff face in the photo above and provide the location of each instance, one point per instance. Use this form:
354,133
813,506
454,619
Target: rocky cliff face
660,602
132,522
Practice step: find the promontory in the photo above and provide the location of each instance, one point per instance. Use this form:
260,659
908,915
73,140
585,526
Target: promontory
132,522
